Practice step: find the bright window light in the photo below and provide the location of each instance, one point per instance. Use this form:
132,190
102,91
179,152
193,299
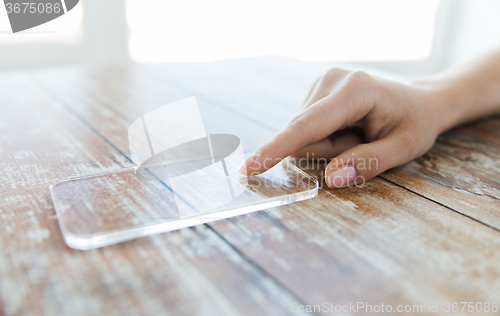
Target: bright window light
311,30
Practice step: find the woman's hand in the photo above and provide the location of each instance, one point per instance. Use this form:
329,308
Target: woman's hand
400,122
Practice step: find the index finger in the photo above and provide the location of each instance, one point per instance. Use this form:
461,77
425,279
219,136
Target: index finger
315,123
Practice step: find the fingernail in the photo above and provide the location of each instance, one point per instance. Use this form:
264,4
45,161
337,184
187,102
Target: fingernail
341,177
247,164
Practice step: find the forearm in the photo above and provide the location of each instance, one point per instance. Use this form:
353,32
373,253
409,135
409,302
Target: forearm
468,92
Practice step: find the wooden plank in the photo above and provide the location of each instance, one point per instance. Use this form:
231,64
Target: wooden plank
191,272
461,172
488,129
378,244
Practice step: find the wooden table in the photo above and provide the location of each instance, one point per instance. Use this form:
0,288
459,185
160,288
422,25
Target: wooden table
425,233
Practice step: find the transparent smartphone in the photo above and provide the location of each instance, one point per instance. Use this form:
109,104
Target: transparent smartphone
186,174
108,208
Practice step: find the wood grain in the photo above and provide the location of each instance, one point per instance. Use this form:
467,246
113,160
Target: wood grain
377,244
488,129
461,172
190,272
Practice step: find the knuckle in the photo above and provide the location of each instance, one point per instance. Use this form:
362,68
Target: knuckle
298,123
410,145
335,72
416,144
299,126
376,161
333,75
323,84
364,86
370,161
358,78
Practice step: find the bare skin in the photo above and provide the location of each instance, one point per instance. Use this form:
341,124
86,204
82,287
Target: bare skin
398,122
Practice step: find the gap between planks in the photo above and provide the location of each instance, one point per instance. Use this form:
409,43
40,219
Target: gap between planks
439,203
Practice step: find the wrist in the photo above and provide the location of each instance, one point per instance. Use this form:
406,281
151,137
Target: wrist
466,93
452,107
445,104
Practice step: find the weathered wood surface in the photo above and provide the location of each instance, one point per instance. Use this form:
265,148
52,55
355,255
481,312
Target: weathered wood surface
374,244
191,272
488,129
461,171
377,244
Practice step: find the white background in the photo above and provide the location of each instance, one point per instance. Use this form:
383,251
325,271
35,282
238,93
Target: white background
390,31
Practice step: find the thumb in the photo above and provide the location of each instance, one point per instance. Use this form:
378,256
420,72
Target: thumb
363,162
